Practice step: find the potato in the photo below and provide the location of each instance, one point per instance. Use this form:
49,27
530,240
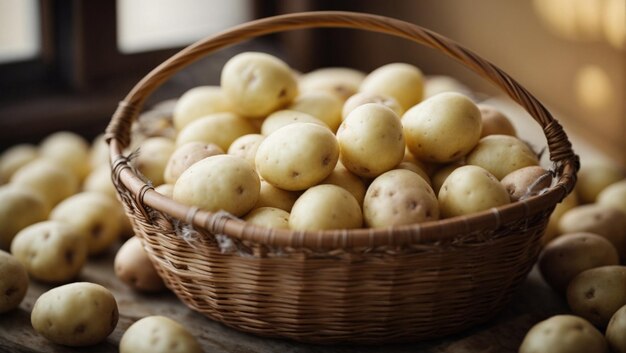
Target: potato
155,123
599,219
325,207
154,153
415,168
594,176
76,314
442,128
15,158
321,105
133,267
268,217
221,182
198,102
495,122
403,82
95,215
297,156
342,177
98,152
596,294
186,155
246,146
340,81
69,150
99,180
526,182
13,282
399,197
219,128
258,84
19,208
52,251
570,254
158,334
615,331
501,155
442,174
614,196
563,334
440,84
365,97
281,118
271,196
51,182
470,189
165,190
552,230
371,140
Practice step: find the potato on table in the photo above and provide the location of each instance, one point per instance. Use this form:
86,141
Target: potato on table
614,196
134,268
68,150
52,182
563,334
76,314
14,158
594,176
616,331
19,208
158,334
325,207
13,282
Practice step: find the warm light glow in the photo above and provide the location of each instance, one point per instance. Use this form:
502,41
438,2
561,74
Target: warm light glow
593,88
615,23
19,30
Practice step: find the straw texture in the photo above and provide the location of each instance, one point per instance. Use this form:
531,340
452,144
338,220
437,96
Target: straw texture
367,285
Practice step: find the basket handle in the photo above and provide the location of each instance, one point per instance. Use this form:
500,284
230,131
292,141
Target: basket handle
118,132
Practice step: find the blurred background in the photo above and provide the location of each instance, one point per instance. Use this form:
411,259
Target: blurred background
64,64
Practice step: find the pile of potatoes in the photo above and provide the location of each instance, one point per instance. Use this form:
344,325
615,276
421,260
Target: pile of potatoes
584,262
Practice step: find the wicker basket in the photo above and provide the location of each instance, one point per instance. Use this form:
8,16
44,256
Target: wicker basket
366,285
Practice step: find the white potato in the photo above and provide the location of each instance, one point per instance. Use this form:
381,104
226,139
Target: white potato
563,334
403,82
469,189
367,97
14,158
76,314
495,122
13,282
51,182
221,182
198,102
340,81
371,140
52,251
69,150
269,217
321,105
442,128
96,216
325,207
615,331
246,146
219,128
285,117
596,294
297,156
342,177
614,196
399,197
442,174
154,153
552,230
158,334
258,84
441,83
132,265
185,156
271,196
19,208
501,155
594,176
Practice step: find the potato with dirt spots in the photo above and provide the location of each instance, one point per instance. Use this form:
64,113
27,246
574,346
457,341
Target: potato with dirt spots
77,314
134,268
219,183
596,294
495,122
158,334
404,82
343,82
246,146
366,97
51,251
605,221
443,128
570,254
219,128
469,189
269,217
198,102
615,331
501,155
325,207
526,182
284,117
297,156
13,282
185,156
399,197
563,334
371,140
257,84
96,216
321,105
19,208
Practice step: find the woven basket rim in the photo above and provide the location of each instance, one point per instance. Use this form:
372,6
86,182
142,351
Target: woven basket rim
565,161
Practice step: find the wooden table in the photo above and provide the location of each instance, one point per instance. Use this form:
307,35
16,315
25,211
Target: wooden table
532,303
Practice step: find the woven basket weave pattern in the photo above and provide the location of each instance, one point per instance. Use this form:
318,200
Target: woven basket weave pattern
368,285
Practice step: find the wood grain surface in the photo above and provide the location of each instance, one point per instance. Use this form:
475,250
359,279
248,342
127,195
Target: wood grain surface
532,303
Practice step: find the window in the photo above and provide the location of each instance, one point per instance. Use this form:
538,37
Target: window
19,30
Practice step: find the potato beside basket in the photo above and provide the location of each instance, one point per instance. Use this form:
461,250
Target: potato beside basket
366,285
